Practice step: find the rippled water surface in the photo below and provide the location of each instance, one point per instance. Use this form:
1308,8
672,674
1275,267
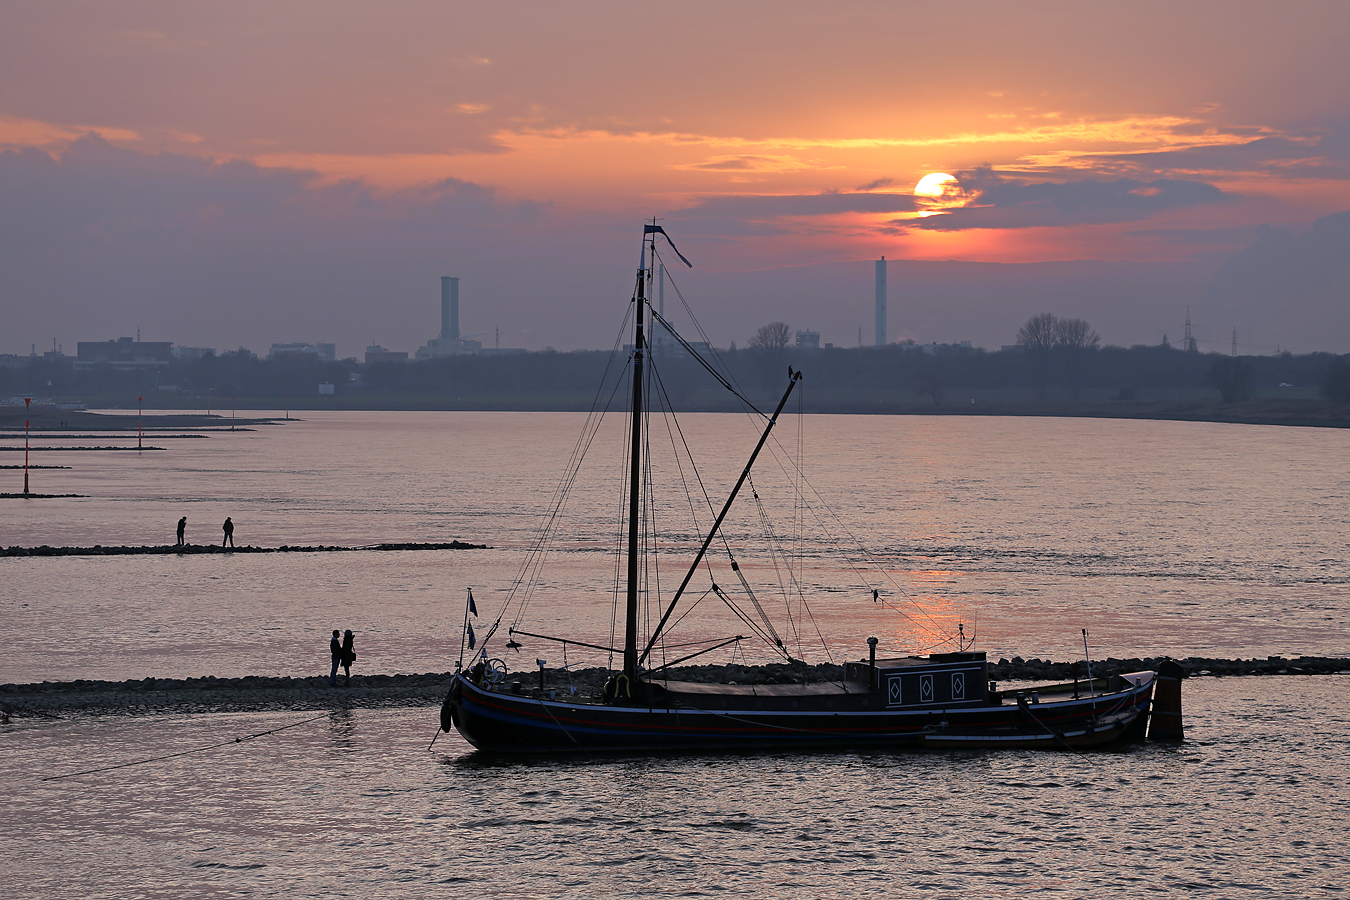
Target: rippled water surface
353,805
1158,537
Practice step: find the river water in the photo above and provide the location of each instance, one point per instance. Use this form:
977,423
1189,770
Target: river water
1157,537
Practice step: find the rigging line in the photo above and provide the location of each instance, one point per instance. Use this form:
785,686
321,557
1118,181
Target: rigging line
618,588
704,363
693,605
580,446
793,580
1055,734
707,563
676,454
651,562
583,441
668,418
562,491
771,538
141,762
688,453
768,624
750,623
791,470
687,610
683,644
703,334
534,559
869,557
798,501
726,508
560,726
796,588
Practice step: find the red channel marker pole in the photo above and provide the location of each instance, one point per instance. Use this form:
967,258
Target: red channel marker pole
26,401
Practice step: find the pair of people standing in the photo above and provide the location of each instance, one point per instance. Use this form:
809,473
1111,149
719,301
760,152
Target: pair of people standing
227,528
343,649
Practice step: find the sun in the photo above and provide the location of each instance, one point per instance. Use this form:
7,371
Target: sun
935,184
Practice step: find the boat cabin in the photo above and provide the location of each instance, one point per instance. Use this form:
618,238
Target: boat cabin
939,679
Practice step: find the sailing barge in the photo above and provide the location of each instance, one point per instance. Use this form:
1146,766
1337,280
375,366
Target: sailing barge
937,700
940,700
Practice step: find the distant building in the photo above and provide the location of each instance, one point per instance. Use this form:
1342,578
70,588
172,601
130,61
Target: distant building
124,353
188,354
673,349
808,340
317,352
450,342
881,302
439,347
377,354
936,348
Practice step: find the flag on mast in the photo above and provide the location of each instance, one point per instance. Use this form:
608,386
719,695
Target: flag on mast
657,229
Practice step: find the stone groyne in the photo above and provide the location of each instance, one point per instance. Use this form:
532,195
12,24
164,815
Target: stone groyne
61,699
189,549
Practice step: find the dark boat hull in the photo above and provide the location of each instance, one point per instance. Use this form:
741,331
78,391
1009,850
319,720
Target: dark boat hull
505,723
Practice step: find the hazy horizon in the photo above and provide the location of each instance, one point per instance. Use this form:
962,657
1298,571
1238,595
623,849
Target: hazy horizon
249,175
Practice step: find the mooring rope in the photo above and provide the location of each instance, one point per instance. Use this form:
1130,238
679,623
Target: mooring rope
141,762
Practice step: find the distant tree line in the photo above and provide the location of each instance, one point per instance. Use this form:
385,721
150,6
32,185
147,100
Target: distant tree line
1053,359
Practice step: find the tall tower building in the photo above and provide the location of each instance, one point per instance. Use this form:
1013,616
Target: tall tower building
449,308
450,342
881,302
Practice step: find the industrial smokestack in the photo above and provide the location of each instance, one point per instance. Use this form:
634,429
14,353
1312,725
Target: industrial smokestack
449,308
881,302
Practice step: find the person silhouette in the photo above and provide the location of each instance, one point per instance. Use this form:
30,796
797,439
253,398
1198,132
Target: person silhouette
348,655
228,528
182,526
335,648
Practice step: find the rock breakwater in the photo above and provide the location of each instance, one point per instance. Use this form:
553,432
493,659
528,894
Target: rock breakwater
189,549
1018,669
251,693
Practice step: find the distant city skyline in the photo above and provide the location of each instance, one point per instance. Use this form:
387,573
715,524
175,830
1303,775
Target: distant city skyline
226,176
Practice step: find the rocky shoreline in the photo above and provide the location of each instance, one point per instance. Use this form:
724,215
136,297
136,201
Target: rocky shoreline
189,549
62,699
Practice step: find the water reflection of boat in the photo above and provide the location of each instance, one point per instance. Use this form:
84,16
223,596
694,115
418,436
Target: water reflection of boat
938,699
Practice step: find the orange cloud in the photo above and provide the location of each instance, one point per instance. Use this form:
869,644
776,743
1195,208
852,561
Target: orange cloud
19,132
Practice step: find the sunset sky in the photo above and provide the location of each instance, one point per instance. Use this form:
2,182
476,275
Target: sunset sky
242,173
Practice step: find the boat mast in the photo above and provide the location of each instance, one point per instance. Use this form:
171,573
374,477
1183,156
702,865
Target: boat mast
630,651
793,378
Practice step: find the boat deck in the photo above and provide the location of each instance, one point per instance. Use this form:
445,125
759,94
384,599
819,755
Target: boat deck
819,689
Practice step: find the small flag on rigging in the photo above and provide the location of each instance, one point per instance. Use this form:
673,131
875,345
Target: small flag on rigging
472,640
657,229
472,608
